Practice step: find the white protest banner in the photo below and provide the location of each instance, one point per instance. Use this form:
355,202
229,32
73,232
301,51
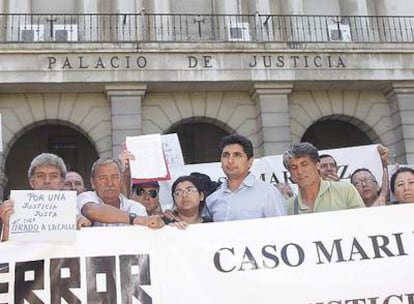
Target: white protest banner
172,150
43,215
149,160
352,256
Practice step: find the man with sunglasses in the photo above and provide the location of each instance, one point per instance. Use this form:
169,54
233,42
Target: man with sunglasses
147,194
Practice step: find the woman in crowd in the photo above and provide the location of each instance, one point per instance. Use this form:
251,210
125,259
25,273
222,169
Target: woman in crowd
188,201
402,185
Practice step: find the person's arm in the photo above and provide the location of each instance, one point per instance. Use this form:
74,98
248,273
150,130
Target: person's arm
5,211
384,194
172,218
107,214
354,198
82,221
124,157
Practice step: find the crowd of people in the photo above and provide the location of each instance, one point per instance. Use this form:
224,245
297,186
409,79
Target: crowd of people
115,200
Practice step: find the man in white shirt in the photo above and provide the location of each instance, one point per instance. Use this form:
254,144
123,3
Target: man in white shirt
106,206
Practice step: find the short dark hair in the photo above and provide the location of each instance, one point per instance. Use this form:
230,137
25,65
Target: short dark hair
237,139
299,150
326,156
395,174
361,170
206,184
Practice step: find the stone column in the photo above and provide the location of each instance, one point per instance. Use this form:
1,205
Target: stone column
88,7
353,7
123,6
23,6
401,98
273,115
293,25
291,7
263,6
126,112
162,6
227,7
382,7
162,24
127,22
264,25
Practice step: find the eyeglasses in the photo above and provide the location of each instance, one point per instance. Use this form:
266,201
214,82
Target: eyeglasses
152,193
189,190
365,181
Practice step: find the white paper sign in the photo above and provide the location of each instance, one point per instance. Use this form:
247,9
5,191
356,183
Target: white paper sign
43,215
149,157
172,150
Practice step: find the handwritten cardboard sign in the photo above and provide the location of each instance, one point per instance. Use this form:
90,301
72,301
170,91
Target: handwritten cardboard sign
43,215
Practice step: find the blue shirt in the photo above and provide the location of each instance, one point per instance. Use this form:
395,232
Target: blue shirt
253,199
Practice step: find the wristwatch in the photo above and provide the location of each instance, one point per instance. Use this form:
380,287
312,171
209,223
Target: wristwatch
132,217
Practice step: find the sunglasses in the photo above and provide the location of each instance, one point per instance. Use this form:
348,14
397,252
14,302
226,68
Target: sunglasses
152,193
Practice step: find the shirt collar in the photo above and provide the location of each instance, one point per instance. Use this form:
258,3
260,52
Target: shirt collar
324,186
248,181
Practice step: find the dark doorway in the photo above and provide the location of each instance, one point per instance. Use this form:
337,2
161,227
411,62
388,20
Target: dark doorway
74,148
199,141
330,134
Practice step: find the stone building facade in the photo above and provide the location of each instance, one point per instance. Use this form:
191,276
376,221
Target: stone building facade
80,99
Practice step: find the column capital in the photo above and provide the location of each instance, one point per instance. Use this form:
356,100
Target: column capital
270,88
126,90
399,87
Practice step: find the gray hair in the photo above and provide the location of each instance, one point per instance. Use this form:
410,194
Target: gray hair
47,159
104,161
299,150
